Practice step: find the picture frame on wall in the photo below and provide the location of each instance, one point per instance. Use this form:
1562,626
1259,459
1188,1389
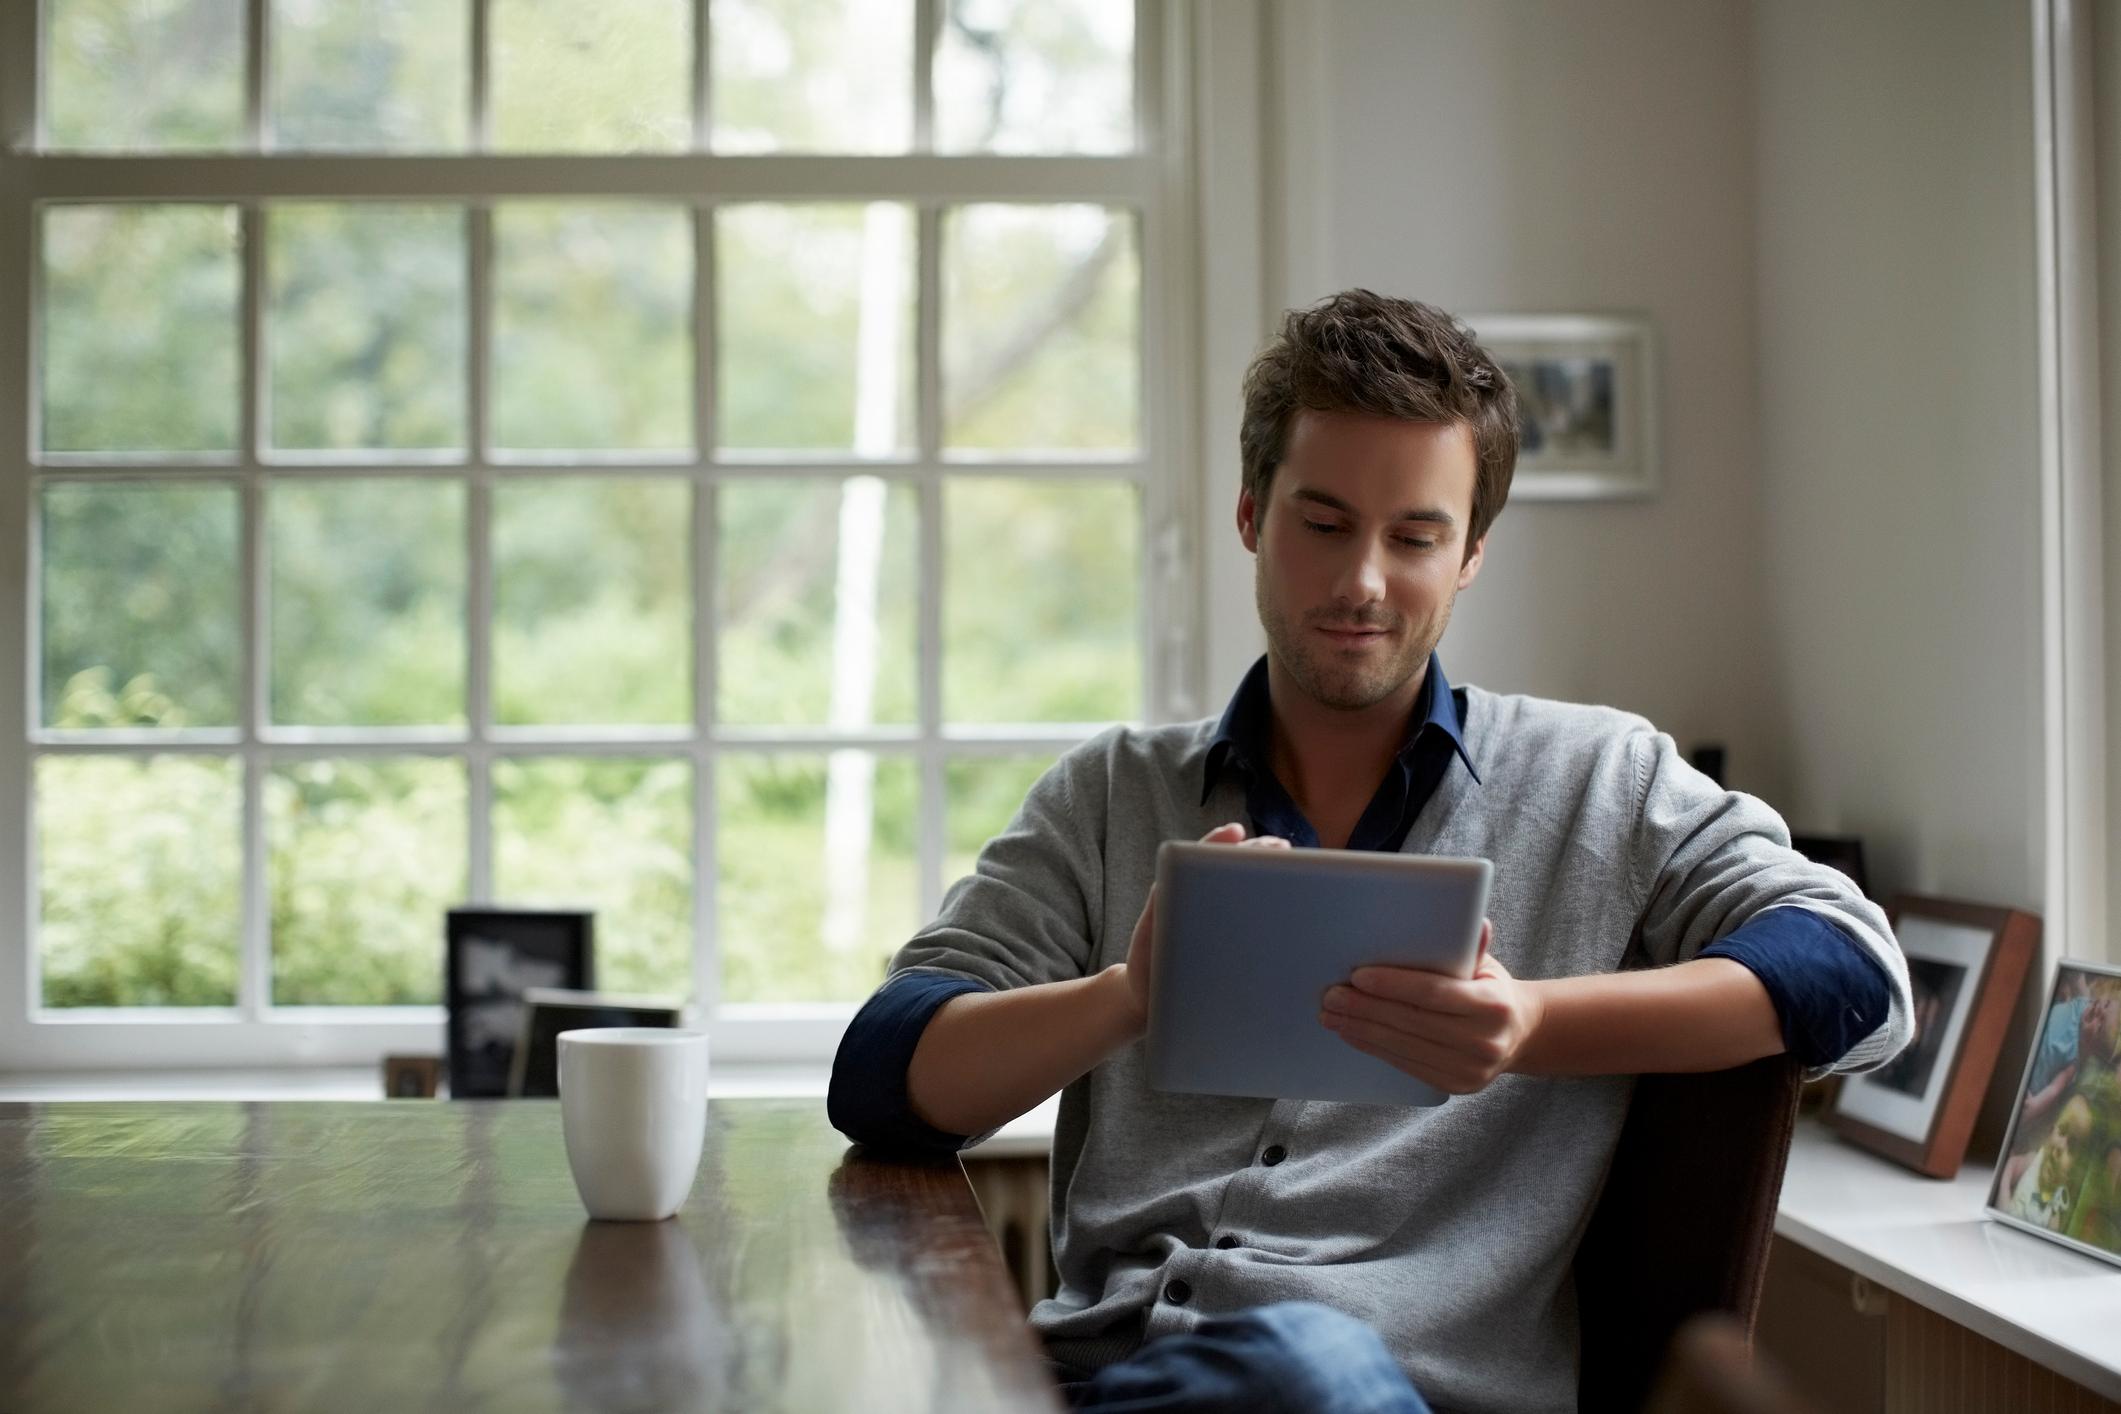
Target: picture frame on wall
1966,964
1587,403
2059,1173
493,956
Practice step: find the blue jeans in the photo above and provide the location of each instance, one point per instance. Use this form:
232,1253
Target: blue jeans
1294,1358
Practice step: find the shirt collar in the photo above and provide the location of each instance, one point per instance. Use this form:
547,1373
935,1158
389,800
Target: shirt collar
1247,723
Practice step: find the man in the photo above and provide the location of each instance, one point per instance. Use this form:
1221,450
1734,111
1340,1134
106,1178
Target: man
1219,1253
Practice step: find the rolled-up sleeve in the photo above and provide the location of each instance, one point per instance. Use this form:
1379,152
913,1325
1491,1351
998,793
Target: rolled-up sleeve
1827,991
1020,918
867,1100
1708,862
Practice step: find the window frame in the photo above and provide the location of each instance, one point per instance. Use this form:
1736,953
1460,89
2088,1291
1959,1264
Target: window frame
1154,183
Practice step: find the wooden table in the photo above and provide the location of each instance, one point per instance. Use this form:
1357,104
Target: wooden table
429,1255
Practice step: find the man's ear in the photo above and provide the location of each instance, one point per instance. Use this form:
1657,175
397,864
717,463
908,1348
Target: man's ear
1248,520
1471,567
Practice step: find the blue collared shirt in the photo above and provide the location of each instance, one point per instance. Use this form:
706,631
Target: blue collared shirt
1434,738
1828,994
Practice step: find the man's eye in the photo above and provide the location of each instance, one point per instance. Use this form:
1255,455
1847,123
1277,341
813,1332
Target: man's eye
1320,526
1412,544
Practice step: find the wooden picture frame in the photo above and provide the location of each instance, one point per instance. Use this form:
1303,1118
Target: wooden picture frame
2066,1186
493,956
1967,963
412,1077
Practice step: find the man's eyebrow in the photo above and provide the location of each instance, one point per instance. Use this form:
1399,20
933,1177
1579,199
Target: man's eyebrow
1430,515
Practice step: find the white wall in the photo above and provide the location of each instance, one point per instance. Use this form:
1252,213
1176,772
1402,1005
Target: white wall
1827,211
1899,434
2106,88
1555,157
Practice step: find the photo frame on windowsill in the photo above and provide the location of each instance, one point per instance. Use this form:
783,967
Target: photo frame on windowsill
494,956
1966,963
547,1011
2059,1175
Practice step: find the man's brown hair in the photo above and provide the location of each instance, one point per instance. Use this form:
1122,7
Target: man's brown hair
1364,352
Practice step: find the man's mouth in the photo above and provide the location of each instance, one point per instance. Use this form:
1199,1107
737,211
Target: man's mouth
1350,636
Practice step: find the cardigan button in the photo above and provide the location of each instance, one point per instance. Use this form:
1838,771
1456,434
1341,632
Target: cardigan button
1178,1293
1274,1155
1226,1242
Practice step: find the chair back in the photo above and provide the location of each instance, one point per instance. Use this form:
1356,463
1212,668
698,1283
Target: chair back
1684,1222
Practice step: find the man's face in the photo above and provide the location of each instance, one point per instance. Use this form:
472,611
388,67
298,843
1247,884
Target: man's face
1360,551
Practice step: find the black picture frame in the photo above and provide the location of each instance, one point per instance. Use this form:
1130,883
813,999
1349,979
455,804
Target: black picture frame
492,956
547,1011
1843,852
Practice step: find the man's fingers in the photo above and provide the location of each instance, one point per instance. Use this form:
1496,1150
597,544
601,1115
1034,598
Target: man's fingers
1452,1029
1224,834
1431,991
1436,1065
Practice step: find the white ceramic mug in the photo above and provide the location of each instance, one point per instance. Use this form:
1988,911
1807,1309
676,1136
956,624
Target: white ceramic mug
633,1110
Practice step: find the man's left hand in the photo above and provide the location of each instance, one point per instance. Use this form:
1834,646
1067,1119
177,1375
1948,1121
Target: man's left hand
1456,1034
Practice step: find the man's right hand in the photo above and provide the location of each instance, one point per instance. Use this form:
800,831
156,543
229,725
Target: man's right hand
987,1057
1141,949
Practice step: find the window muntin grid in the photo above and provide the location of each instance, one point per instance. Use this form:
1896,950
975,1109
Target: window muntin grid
934,756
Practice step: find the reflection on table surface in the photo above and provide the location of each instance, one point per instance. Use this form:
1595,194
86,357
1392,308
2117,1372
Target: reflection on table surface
419,1255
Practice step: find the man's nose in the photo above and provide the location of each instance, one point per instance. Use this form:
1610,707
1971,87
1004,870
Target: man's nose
1362,575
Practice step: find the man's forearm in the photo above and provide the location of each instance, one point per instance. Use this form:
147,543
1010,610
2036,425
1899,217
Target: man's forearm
1709,1014
987,1057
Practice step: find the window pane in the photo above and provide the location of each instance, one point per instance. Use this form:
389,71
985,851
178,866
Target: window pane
1055,638
140,328
815,345
368,602
379,76
817,584
981,795
592,601
367,326
812,75
1040,329
610,834
592,327
138,595
143,74
818,873
615,76
1035,76
139,866
366,856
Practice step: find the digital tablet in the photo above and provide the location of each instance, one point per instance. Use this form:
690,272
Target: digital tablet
1248,940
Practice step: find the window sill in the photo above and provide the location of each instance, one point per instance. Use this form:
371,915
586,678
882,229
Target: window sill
1928,1241
1028,1137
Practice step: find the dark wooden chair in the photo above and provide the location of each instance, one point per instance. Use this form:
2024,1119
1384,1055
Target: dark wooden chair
1684,1223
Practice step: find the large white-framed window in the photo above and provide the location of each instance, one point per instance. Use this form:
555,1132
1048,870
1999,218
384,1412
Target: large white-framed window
718,527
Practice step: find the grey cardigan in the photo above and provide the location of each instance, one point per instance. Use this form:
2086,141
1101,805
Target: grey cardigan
1451,1230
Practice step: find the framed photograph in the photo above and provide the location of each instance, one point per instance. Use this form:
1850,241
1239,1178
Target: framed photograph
1965,965
1587,403
547,1011
494,956
411,1077
2060,1171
